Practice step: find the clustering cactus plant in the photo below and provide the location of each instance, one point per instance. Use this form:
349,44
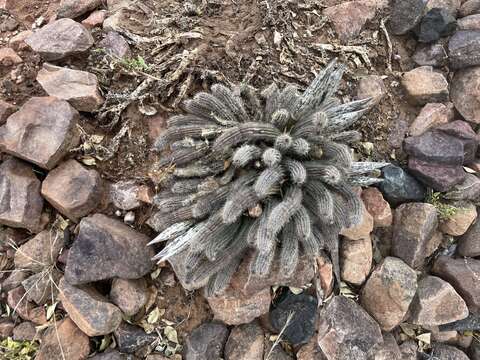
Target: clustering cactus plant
272,172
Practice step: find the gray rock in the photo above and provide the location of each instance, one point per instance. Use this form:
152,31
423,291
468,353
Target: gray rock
471,22
124,195
464,49
40,287
132,338
469,7
115,45
469,189
471,323
106,248
436,23
447,352
465,93
24,331
75,8
60,39
430,55
346,331
405,15
112,355
475,350
399,187
469,243
206,342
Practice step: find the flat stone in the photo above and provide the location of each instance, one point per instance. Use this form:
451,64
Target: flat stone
25,331
235,308
129,295
356,260
39,252
245,343
106,248
6,110
399,187
115,45
42,131
371,86
423,85
462,274
20,200
301,327
89,310
60,39
39,286
440,177
436,23
436,303
465,93
346,331
430,55
458,223
95,19
206,342
8,57
471,22
75,8
349,18
378,207
464,49
131,338
362,230
469,7
406,15
414,225
389,291
448,352
79,88
65,341
430,116
469,243
73,189
469,189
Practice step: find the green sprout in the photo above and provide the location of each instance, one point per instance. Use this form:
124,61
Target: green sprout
445,211
137,64
17,350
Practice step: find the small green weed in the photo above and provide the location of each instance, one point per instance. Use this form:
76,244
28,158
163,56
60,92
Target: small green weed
17,350
137,63
445,211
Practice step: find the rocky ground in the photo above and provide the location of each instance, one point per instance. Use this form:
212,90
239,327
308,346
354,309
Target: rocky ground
85,88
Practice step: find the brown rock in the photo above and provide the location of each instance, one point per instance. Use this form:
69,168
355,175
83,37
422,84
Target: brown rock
39,252
79,88
413,227
362,230
235,308
5,111
245,343
17,300
371,86
463,275
423,86
447,352
431,115
64,342
437,303
41,287
115,45
311,351
469,7
388,350
465,93
17,42
458,223
389,291
469,243
378,207
72,189
8,57
42,131
346,331
356,260
471,22
106,248
89,310
6,328
325,274
206,342
14,280
74,8
129,295
25,331
95,19
60,39
20,200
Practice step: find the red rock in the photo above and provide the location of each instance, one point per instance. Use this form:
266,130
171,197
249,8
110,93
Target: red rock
458,223
39,252
356,260
66,341
72,189
9,57
75,8
42,131
389,291
115,45
95,19
465,93
440,177
79,88
20,200
431,115
245,343
378,207
423,86
371,86
156,126
60,39
311,351
5,111
89,310
17,301
25,331
6,328
129,295
325,274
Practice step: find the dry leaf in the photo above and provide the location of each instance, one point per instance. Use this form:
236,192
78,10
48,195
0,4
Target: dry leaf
171,334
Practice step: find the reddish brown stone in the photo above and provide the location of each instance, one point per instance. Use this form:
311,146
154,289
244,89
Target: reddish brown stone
356,260
20,200
465,93
18,41
73,189
25,331
423,85
95,19
17,300
9,57
5,111
42,131
129,295
431,115
39,252
378,207
245,343
371,86
440,177
458,223
6,328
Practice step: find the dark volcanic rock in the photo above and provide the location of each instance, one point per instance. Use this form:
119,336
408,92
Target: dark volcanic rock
302,325
131,338
435,24
206,342
346,331
437,176
405,15
20,200
106,248
246,342
42,131
464,49
399,186
465,93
